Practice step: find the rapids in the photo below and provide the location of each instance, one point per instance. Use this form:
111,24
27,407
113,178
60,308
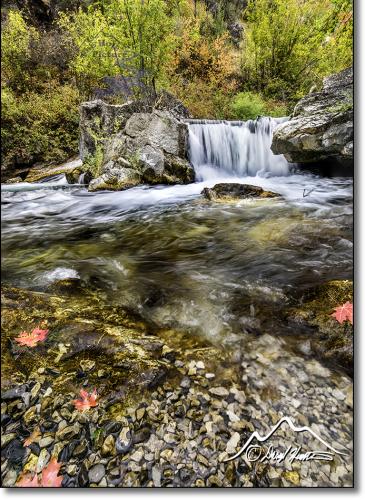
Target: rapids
204,268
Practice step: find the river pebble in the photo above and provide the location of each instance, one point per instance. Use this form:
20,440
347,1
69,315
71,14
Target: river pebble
184,432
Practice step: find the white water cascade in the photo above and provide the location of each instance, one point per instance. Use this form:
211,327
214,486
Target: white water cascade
235,148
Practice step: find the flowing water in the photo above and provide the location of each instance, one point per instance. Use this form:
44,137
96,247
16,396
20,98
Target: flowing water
238,148
210,269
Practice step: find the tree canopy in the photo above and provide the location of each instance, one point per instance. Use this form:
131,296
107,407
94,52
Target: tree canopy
222,59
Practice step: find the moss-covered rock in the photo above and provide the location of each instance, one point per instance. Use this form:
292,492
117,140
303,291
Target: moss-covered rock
235,191
330,339
89,342
129,144
80,327
116,179
321,127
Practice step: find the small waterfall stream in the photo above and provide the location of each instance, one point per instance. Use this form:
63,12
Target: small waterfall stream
235,149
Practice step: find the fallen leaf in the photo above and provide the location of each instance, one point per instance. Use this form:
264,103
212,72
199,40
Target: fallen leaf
31,339
36,434
26,481
50,477
343,313
87,400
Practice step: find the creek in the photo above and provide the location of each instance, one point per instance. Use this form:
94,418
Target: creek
211,269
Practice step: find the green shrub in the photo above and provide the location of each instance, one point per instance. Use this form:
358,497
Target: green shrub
247,105
16,37
291,44
275,108
39,127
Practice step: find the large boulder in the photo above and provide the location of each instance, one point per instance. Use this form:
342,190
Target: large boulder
133,143
321,127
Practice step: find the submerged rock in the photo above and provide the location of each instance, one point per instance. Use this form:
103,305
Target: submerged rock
321,127
86,336
331,340
234,191
133,143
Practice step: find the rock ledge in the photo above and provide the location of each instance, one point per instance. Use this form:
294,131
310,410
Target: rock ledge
321,127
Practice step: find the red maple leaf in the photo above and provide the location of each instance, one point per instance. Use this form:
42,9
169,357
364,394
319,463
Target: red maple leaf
87,400
50,477
27,482
31,339
343,313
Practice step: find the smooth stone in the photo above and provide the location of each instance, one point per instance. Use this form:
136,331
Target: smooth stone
140,412
219,391
35,390
30,415
166,454
232,443
170,438
338,394
15,393
96,473
9,479
43,460
124,441
156,476
6,438
185,383
44,442
137,456
87,365
108,447
68,432
71,469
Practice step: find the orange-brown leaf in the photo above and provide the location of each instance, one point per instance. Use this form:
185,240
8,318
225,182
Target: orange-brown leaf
27,481
50,477
87,400
31,339
343,313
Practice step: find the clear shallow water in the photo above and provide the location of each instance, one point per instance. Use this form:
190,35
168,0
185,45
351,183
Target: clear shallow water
211,269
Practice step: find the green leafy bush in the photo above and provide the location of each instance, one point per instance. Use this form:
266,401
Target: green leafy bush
120,37
16,37
291,44
39,127
248,105
38,97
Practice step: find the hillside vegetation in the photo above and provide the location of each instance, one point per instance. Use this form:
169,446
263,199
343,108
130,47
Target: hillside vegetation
229,60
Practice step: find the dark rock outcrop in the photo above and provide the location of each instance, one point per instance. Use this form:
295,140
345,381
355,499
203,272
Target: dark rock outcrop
234,191
321,127
133,143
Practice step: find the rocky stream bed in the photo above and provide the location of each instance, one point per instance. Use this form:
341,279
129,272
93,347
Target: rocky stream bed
194,323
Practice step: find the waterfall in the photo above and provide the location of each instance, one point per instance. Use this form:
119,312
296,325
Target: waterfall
81,179
234,148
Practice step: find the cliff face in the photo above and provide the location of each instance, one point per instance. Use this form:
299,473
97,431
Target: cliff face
321,127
